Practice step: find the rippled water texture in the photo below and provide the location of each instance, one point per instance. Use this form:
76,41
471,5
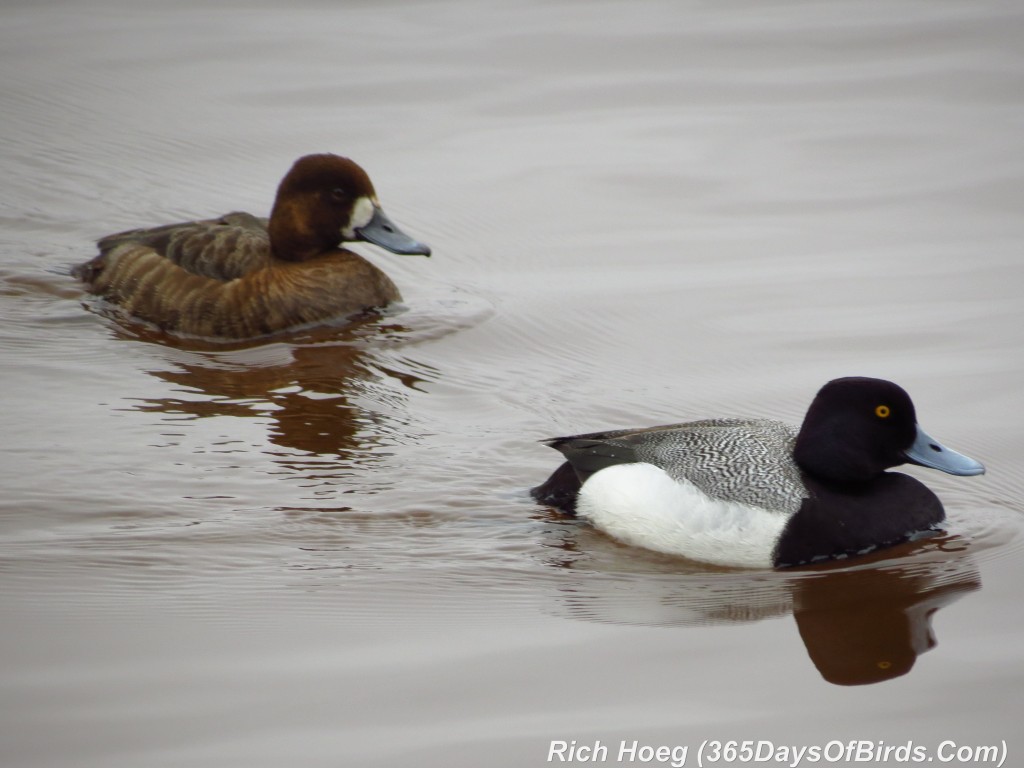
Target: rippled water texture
318,550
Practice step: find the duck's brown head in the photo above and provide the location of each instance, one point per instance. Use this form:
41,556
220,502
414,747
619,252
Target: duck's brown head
325,200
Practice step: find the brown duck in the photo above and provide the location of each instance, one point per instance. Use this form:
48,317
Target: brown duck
240,276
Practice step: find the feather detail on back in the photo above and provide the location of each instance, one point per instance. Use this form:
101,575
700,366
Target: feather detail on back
748,461
225,248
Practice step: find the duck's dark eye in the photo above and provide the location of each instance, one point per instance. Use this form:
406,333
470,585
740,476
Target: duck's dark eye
882,411
338,193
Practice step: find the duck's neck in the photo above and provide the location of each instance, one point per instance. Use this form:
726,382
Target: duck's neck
833,454
834,462
292,236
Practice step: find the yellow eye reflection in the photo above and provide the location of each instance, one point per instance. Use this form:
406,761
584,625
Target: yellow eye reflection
882,411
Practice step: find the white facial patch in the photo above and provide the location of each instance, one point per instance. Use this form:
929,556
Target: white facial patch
640,504
362,214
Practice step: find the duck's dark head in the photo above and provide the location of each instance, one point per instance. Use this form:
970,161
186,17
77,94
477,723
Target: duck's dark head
325,200
858,427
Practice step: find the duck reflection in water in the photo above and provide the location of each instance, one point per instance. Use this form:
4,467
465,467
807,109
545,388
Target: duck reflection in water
870,624
861,622
312,386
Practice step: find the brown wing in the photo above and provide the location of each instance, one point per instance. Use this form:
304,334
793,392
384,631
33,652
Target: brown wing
225,248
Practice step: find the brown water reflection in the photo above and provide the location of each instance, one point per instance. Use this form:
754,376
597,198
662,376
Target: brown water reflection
870,624
307,385
861,623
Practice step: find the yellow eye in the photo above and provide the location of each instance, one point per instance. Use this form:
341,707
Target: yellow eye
882,411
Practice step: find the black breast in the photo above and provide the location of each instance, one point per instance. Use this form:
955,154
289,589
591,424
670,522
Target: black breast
841,520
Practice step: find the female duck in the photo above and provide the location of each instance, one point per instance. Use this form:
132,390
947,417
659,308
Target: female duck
757,493
240,276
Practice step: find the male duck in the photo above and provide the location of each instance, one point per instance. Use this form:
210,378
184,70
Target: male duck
757,493
240,276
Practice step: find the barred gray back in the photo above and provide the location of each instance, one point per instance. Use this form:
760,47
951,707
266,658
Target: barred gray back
744,460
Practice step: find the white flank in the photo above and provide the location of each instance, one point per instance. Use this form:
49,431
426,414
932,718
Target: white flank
362,213
640,504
